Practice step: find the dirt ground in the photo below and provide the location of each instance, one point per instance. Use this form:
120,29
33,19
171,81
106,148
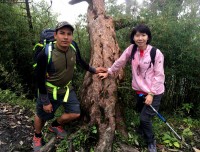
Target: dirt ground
16,129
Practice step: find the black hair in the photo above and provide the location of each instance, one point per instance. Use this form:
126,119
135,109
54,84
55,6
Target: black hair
142,28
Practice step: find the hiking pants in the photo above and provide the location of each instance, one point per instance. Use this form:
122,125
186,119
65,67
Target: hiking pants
146,114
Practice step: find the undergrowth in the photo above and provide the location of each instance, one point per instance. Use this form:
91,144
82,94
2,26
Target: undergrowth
86,139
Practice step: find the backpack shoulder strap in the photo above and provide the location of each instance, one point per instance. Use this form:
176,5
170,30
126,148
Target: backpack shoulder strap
134,49
37,45
48,50
153,54
73,45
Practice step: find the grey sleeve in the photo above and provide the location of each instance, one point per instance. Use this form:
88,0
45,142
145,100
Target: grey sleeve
92,70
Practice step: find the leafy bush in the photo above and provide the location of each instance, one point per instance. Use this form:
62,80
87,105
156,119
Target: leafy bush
8,96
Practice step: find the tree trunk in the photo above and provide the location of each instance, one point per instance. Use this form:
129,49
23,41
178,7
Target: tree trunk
98,96
29,16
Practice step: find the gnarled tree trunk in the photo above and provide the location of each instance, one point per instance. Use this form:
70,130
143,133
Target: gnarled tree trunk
99,97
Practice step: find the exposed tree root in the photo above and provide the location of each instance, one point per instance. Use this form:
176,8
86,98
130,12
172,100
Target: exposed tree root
51,145
127,148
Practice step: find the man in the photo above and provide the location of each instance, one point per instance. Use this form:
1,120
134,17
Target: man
54,83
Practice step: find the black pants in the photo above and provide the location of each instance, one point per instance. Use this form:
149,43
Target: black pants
146,114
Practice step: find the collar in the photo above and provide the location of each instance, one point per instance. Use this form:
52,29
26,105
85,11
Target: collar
147,50
60,49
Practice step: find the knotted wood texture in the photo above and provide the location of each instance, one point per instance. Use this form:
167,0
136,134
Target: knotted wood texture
99,97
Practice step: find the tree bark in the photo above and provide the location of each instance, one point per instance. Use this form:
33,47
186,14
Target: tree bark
29,16
99,97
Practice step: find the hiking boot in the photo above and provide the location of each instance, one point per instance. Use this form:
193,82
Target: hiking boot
60,132
37,143
152,147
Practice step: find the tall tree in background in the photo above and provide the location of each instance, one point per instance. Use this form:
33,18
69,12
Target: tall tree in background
29,16
18,32
132,7
99,97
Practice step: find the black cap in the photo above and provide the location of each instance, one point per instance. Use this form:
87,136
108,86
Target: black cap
63,24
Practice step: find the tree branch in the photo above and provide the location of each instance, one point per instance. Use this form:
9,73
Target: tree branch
49,146
72,2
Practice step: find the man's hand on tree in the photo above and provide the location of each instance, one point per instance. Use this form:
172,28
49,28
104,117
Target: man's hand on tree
101,70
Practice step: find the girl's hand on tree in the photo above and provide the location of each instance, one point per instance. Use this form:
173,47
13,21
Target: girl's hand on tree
103,75
149,99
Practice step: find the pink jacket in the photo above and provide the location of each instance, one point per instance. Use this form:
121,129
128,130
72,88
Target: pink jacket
144,79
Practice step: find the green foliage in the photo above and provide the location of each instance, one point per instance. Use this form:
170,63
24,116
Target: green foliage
133,139
8,80
187,132
82,139
187,107
184,127
8,96
190,123
81,36
42,17
63,146
79,140
132,118
115,10
17,40
170,140
94,129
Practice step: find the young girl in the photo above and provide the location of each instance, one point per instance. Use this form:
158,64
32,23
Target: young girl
147,78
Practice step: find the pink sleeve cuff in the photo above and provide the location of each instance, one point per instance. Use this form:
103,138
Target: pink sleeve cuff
110,71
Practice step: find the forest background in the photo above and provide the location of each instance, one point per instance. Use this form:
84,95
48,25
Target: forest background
175,27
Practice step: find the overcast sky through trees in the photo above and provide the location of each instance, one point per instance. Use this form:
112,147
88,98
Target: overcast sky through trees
69,12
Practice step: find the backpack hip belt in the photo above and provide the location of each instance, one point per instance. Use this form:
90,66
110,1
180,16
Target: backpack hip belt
55,88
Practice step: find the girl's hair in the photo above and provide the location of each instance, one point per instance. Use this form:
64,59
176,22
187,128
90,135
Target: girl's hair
142,29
